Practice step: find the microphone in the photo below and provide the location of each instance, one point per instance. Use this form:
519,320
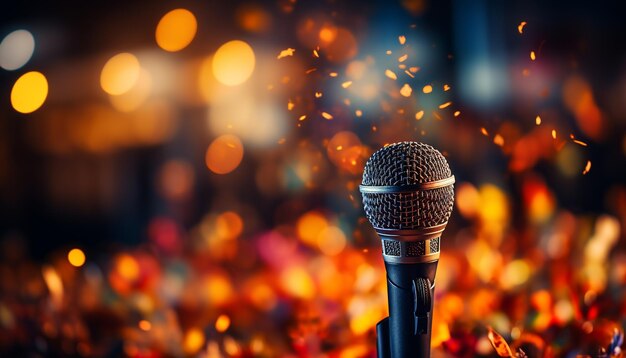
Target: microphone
408,194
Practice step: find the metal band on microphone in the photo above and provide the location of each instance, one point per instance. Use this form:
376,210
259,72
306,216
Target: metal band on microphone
394,189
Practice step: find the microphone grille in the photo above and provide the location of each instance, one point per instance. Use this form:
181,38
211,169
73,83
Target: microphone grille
402,164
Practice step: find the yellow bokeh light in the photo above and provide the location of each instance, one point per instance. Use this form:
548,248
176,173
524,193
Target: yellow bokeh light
297,282
224,154
331,240
310,225
120,74
193,341
222,323
176,30
233,63
135,96
127,267
29,92
76,257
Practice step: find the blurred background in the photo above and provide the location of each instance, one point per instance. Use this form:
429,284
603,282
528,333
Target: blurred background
180,178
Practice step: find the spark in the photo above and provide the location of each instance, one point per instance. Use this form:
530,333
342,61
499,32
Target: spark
457,113
554,134
409,74
339,147
483,130
310,70
532,55
346,84
445,105
587,167
437,116
403,58
402,39
391,74
402,66
520,27
419,115
302,117
388,52
327,115
538,120
427,89
315,54
498,140
446,88
318,94
333,74
580,142
414,69
285,53
290,105
406,90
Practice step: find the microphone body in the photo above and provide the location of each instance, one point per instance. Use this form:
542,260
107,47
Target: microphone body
408,195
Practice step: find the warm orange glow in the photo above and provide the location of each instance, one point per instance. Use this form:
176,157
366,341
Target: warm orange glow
228,225
76,257
297,282
127,267
145,325
135,96
29,92
54,284
222,323
578,98
233,63
520,27
224,154
218,289
309,226
331,240
193,340
176,30
391,74
419,115
467,200
120,74
427,89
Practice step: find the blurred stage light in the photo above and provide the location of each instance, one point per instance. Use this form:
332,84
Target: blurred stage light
224,154
16,49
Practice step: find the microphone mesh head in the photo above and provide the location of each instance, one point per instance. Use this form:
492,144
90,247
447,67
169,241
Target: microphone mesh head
407,163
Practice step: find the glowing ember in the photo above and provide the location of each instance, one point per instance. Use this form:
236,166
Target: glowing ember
532,55
403,58
287,52
402,39
445,105
315,53
587,167
346,84
318,94
520,27
391,74
457,113
446,88
327,115
419,115
409,74
302,117
333,74
427,89
145,325
581,143
406,90
537,120
554,134
483,130
290,105
499,344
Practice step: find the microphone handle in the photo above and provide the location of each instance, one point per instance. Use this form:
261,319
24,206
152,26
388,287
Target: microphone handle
409,326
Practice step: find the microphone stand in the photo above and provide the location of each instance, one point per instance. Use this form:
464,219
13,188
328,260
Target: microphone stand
406,332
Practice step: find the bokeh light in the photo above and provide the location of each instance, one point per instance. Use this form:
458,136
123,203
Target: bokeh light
76,257
224,154
176,30
16,49
29,92
233,63
120,73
